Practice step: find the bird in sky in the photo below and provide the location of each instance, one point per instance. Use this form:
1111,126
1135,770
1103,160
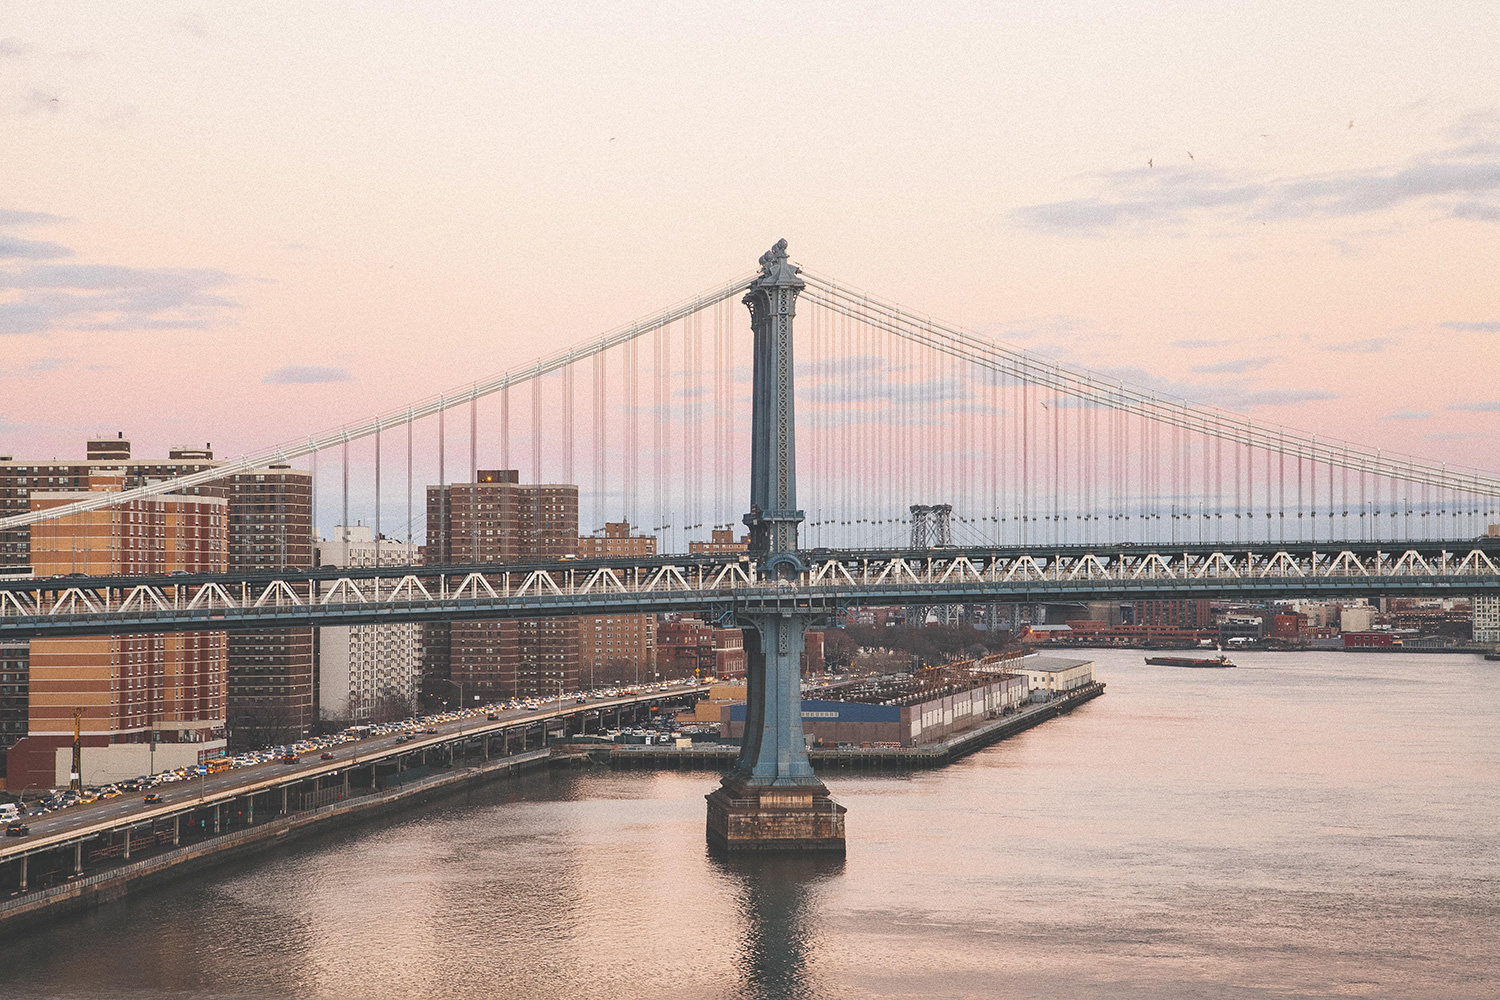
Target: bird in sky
611,138
1190,155
1150,164
1351,123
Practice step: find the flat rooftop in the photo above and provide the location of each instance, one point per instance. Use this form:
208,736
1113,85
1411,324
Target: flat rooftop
1050,663
909,689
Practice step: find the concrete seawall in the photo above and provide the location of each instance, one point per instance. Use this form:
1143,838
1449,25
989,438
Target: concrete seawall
82,894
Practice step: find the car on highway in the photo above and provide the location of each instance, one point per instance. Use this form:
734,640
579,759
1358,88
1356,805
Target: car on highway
152,799
16,828
325,755
288,758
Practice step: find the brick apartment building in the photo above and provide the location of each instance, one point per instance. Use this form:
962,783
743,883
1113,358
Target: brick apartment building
690,647
1174,613
273,686
497,519
721,541
616,647
132,690
269,523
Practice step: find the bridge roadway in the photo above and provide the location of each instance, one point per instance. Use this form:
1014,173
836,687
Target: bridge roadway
722,586
78,824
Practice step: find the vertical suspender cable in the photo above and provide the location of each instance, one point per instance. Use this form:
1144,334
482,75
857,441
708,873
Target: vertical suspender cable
312,500
505,429
377,497
658,418
600,441
473,478
1281,488
567,428
536,461
344,516
410,548
720,402
632,447
442,527
473,439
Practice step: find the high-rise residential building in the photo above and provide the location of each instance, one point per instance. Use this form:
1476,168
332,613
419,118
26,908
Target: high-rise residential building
273,687
614,648
367,672
20,478
272,684
498,519
1356,618
1487,619
15,681
143,700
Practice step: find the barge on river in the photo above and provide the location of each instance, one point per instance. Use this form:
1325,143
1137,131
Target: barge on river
1217,662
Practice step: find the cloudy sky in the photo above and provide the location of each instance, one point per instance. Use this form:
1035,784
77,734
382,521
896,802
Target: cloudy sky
244,224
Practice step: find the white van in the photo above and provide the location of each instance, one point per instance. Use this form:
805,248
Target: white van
9,812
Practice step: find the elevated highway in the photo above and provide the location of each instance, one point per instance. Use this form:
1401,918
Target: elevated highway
77,841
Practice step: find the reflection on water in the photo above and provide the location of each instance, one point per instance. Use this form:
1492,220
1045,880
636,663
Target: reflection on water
1304,826
780,926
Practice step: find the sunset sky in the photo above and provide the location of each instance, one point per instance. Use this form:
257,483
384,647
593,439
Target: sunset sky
239,224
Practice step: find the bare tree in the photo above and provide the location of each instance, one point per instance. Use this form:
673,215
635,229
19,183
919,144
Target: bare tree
261,726
391,707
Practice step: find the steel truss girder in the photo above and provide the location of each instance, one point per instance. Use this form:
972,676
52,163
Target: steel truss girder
71,607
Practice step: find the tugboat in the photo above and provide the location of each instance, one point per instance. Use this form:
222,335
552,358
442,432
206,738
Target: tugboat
1187,661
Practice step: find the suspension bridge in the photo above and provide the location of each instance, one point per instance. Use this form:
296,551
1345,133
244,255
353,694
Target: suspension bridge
1050,482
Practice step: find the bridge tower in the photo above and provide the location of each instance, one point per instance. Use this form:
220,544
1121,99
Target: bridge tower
771,800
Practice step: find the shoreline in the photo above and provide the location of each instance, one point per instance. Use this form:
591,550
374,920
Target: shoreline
1168,650
42,907
39,908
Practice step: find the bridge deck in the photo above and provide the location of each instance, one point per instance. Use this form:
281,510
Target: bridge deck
725,586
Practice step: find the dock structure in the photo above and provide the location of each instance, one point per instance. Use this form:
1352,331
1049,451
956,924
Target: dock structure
721,756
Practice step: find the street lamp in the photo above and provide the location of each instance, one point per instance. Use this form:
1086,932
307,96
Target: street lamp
457,684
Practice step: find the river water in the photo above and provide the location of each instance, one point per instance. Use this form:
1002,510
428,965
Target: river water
1319,825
